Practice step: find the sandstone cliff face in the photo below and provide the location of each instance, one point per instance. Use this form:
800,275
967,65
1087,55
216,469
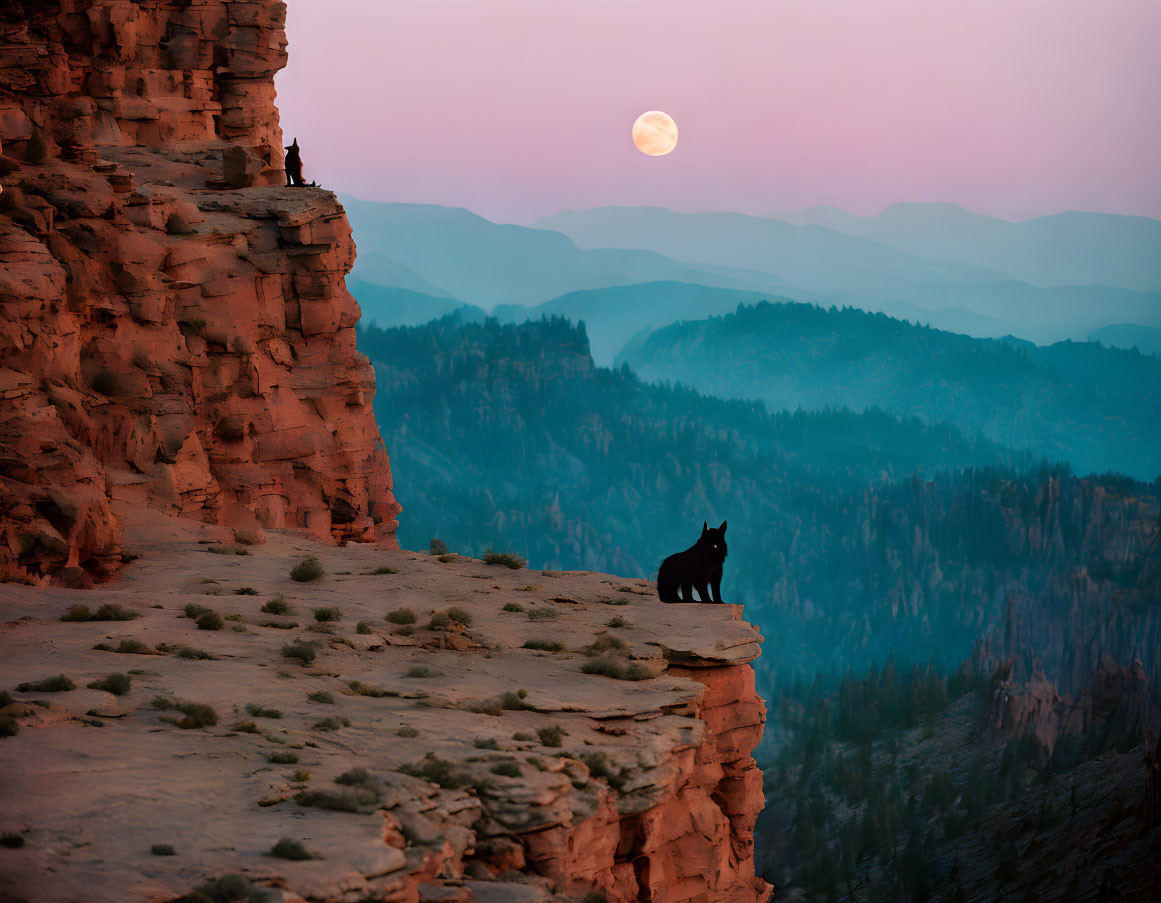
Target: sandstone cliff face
174,326
491,772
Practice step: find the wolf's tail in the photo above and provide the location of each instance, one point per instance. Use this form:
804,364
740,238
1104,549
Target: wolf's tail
666,585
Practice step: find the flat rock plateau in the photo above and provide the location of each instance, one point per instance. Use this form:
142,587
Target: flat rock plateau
440,759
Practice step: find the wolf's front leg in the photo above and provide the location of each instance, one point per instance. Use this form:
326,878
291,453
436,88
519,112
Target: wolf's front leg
716,586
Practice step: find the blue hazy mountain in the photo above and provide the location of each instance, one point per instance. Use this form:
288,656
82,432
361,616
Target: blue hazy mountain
835,267
385,306
1097,408
464,256
1145,339
1071,248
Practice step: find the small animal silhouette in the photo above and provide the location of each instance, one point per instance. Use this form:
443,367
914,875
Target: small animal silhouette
698,567
294,167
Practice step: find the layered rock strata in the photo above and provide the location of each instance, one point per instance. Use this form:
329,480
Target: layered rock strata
174,326
492,755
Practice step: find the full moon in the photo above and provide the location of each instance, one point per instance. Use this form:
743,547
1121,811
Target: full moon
655,133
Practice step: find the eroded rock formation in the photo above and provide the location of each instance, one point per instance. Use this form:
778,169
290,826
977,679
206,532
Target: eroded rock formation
174,326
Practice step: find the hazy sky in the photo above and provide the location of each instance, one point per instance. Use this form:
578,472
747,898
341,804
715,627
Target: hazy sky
520,108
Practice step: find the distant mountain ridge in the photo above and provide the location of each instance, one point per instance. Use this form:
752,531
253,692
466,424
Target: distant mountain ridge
1095,407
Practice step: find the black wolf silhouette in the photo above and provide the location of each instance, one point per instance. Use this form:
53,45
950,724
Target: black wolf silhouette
698,567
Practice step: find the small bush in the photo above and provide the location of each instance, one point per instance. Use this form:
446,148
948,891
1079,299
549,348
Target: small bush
438,547
447,559
439,621
259,712
58,684
617,622
245,591
604,644
488,707
438,771
321,696
246,727
8,726
303,652
300,777
128,646
363,627
512,606
521,736
77,613
357,777
506,559
544,645
12,840
599,767
617,667
196,714
331,724
292,850
5,698
506,769
460,616
363,689
106,612
194,611
422,671
188,652
282,758
514,701
279,625
226,889
385,569
210,620
308,569
552,736
323,615
163,849
276,606
543,614
481,743
400,616
406,731
118,684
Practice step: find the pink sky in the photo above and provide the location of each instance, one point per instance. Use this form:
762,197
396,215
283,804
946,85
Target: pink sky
520,108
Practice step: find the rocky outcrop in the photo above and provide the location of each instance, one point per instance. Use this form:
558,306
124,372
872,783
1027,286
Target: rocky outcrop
479,757
174,326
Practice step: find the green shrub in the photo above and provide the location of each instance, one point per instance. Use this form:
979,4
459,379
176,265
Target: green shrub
245,591
604,644
617,622
128,646
359,791
506,769
282,758
460,616
488,707
196,714
323,615
385,569
438,771
363,689
406,731
617,667
77,613
279,625
210,620
543,614
300,777
521,736
512,606
400,616
163,849
447,559
552,736
422,671
544,645
106,612
58,684
292,850
188,652
599,767
246,727
8,726
481,743
437,547
331,724
363,627
259,712
439,621
194,611
321,696
277,606
117,683
514,701
226,889
507,559
310,568
303,652
5,698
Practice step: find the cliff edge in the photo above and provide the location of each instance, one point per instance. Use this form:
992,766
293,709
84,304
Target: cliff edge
175,331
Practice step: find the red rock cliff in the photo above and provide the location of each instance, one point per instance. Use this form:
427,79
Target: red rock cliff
174,325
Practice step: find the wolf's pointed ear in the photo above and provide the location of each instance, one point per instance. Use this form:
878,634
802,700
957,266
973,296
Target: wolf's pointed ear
704,528
294,143
722,528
